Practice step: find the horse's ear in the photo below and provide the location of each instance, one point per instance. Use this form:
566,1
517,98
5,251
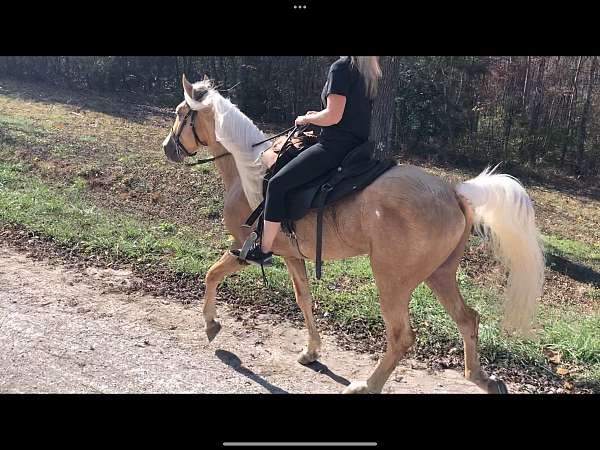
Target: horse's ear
187,86
206,78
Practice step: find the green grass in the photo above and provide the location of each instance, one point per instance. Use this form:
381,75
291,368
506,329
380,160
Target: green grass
576,337
588,255
347,291
16,123
25,200
593,294
88,139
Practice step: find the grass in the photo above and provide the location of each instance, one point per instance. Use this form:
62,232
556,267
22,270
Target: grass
27,201
347,293
586,254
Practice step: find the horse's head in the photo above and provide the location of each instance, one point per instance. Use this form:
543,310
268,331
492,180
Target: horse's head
194,124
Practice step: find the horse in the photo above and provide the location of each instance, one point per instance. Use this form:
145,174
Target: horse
413,226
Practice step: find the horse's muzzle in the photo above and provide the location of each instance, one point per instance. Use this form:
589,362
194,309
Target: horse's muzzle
172,150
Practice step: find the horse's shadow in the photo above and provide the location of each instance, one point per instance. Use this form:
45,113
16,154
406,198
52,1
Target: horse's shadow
236,364
573,270
323,369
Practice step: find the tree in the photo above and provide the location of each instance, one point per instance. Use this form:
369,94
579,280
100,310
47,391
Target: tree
384,107
585,117
541,111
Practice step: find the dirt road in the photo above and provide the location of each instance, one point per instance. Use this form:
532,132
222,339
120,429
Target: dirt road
67,331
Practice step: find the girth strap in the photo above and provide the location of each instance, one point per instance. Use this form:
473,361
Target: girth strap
320,201
320,204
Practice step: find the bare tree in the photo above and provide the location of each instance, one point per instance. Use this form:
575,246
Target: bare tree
585,117
384,107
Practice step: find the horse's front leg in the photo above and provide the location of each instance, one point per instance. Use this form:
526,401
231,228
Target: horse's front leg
226,265
297,271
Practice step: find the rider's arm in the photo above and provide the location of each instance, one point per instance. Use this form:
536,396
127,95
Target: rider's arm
330,115
336,90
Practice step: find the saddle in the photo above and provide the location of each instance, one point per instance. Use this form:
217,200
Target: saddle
356,171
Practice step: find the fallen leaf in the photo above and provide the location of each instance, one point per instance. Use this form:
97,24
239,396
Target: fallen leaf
553,357
562,371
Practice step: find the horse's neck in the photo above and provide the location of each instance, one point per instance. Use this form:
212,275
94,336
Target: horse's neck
226,167
238,134
235,130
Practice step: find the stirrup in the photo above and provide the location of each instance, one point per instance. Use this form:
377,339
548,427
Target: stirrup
250,242
248,245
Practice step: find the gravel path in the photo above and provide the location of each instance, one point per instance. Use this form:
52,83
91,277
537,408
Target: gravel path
69,331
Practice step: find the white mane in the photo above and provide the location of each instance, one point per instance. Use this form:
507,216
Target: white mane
236,132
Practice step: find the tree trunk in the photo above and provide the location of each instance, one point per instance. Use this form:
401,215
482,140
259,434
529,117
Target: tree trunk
384,106
525,84
584,118
572,103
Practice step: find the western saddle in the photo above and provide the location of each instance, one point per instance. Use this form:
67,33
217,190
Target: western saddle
355,172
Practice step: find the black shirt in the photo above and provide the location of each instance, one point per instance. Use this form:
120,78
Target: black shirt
344,79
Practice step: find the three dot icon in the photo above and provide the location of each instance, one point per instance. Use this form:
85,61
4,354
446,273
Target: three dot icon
299,6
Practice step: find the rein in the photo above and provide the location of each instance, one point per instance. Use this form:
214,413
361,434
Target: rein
207,160
214,158
276,136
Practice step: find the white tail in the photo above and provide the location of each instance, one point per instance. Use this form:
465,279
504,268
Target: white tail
503,214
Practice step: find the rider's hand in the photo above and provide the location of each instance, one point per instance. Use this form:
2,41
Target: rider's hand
310,113
269,157
301,120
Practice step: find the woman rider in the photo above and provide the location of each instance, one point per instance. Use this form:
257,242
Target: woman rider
345,121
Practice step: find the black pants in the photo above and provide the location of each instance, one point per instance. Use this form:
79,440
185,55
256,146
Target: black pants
311,163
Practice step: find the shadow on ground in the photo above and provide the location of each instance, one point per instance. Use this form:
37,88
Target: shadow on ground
323,369
575,271
116,105
236,364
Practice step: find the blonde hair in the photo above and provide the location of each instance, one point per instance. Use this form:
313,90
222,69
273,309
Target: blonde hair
368,67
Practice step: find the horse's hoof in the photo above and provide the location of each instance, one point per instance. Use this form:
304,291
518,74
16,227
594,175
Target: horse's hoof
357,387
307,357
212,329
497,386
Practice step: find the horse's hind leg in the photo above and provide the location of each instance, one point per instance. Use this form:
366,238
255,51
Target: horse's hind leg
394,297
226,265
443,284
297,271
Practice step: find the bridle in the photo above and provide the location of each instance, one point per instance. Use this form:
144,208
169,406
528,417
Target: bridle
177,134
191,114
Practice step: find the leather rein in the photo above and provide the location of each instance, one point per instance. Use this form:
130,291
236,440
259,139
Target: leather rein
191,115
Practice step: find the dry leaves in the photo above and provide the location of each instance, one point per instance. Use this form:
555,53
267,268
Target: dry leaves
553,357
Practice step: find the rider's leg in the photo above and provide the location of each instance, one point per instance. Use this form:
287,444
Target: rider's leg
311,163
270,231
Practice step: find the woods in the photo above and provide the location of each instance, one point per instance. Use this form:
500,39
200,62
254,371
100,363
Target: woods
536,111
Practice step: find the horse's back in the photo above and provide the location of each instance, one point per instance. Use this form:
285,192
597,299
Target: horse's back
405,206
409,180
413,205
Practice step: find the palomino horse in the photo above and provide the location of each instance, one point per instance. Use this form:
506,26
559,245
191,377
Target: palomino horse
414,227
